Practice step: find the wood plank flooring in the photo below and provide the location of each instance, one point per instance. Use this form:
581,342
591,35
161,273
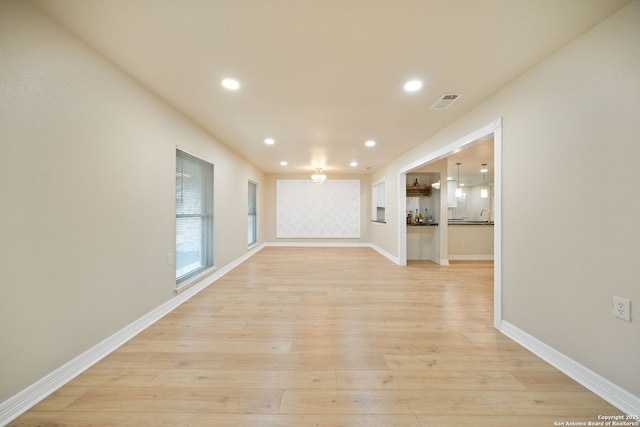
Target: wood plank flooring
325,337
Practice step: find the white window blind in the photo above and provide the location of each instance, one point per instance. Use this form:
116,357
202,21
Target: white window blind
194,215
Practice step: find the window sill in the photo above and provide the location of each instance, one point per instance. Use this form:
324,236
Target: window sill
183,286
379,222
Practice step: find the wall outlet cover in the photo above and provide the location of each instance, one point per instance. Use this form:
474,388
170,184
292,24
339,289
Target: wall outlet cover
622,308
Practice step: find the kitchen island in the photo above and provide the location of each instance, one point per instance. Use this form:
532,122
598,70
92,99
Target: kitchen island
470,240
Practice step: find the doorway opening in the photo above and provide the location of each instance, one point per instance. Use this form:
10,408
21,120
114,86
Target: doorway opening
491,131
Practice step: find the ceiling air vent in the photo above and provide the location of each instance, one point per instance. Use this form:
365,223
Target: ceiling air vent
445,101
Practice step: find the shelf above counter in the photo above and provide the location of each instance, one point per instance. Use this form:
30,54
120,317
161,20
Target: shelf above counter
425,224
418,190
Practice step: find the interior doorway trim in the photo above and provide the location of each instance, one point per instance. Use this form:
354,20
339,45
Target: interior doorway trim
494,128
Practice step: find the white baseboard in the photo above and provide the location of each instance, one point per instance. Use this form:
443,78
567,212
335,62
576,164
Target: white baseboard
303,244
471,257
381,251
617,396
16,405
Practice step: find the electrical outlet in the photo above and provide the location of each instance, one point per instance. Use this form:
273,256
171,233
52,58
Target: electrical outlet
622,308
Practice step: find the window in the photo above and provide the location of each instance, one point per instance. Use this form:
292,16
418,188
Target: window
252,231
194,215
379,202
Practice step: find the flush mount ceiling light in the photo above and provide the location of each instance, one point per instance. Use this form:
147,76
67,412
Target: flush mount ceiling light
370,143
412,86
353,164
318,177
231,84
283,163
269,141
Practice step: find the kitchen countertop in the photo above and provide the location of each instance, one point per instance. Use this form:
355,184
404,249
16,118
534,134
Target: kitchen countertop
460,222
454,222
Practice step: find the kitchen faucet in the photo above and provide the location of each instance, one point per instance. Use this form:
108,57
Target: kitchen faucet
488,214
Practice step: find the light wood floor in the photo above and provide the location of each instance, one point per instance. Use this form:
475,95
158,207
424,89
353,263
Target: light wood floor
326,337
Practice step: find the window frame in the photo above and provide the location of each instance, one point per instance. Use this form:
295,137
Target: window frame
252,215
206,216
376,188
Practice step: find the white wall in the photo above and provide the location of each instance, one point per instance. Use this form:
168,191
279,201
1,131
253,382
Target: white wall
570,137
475,204
87,190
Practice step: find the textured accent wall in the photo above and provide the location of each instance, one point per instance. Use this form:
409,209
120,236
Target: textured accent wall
308,210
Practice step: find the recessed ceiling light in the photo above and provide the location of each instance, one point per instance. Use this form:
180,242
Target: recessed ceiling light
283,163
269,141
230,84
370,143
353,164
413,85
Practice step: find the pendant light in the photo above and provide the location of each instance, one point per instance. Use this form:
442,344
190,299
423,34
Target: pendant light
484,193
318,177
458,188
